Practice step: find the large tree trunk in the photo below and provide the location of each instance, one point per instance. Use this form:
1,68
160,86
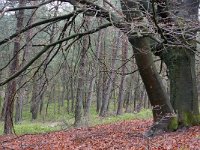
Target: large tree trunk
155,89
11,88
180,61
162,108
183,88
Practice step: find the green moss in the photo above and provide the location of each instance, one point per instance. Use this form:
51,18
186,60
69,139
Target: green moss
189,119
173,125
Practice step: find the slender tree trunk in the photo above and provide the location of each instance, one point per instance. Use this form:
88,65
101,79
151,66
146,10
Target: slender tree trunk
72,92
11,88
23,90
81,80
109,84
98,73
122,82
136,91
34,99
80,88
104,75
89,95
129,100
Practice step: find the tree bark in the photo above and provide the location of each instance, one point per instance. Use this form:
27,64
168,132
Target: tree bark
122,82
108,85
180,62
162,108
99,74
81,80
35,99
23,90
11,87
89,95
183,88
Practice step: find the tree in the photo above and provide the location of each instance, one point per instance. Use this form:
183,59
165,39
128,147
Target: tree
148,29
180,60
108,84
81,80
12,85
122,82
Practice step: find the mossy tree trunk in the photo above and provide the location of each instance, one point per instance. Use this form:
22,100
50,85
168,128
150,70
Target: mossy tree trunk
180,59
183,88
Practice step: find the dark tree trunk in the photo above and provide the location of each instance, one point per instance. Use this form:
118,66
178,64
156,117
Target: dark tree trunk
162,108
98,73
11,88
22,96
155,89
98,92
104,84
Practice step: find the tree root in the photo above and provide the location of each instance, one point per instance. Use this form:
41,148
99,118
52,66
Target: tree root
166,124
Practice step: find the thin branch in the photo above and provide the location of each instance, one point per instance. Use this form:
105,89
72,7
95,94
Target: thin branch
59,18
50,45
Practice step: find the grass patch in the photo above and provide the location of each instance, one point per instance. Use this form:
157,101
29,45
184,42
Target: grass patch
143,114
31,128
55,120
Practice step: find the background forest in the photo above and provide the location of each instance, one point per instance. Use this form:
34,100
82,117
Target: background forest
59,72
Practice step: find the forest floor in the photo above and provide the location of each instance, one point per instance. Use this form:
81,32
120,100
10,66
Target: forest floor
125,135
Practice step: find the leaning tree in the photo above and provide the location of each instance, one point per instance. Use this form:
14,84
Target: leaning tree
164,28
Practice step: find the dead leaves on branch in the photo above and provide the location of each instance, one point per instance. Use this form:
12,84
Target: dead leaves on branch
127,135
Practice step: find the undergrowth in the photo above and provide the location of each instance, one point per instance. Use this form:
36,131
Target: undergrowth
55,120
